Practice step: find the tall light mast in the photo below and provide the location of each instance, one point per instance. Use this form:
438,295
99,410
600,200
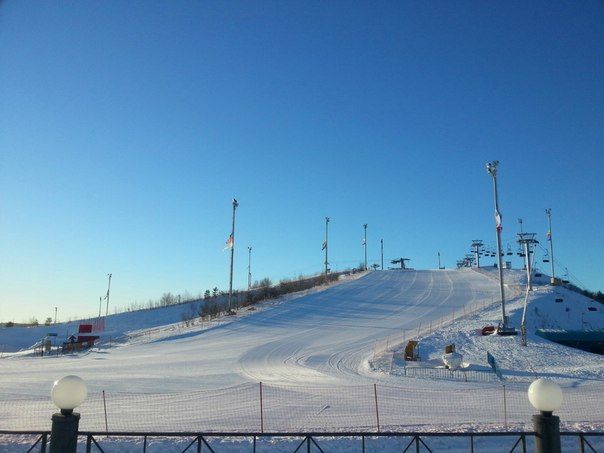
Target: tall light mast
548,211
107,296
504,328
249,268
326,246
365,244
235,205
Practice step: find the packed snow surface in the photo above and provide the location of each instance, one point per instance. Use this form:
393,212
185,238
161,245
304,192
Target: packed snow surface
318,355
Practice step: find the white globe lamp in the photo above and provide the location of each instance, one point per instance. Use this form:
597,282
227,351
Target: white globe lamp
545,395
68,393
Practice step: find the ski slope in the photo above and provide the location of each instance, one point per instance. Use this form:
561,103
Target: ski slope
322,338
319,352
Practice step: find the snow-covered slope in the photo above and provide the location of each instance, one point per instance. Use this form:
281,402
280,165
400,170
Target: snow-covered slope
323,345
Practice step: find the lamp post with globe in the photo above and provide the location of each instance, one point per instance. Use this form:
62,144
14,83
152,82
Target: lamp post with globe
67,393
546,397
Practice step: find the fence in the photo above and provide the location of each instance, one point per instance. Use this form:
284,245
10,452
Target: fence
517,441
453,406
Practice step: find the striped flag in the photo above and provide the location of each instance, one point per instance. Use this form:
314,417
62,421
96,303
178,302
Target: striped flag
498,221
324,245
229,243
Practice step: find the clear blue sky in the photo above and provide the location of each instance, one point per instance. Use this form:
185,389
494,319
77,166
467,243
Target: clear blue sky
127,127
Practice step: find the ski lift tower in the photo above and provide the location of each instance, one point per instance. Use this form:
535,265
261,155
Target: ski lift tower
526,240
477,246
503,328
401,261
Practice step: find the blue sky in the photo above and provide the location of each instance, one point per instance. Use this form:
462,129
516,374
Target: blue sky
127,127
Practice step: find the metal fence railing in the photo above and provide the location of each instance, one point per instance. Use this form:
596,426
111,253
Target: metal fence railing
512,441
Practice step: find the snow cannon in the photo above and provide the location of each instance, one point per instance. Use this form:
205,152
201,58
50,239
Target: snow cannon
452,360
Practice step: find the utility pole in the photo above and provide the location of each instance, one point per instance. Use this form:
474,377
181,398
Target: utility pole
55,315
548,211
382,252
235,204
249,268
107,296
477,245
492,170
365,244
520,222
100,305
326,246
439,266
526,240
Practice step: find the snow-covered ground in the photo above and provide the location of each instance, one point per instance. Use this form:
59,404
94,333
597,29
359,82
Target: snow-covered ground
318,355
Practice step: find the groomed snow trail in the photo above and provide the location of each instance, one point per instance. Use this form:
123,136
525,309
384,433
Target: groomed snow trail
321,338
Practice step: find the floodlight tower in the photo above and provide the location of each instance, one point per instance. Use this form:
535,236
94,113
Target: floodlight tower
492,170
365,244
107,296
477,245
235,206
326,245
526,240
548,211
249,268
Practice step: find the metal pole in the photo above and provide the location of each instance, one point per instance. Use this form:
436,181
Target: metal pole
235,204
529,280
108,289
548,211
249,268
439,260
492,169
326,246
382,252
55,315
365,244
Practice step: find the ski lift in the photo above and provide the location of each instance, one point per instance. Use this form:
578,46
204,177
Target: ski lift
509,252
546,258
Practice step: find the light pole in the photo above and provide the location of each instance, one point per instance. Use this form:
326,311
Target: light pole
365,244
107,296
232,241
67,393
249,268
55,315
504,329
548,211
382,252
326,246
546,397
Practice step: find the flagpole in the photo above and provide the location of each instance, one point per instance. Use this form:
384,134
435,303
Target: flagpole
235,204
326,246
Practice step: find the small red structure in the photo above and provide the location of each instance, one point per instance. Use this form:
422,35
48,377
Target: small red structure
82,341
488,330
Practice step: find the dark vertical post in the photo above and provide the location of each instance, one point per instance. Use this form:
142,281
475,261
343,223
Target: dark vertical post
235,204
105,409
547,433
64,432
261,411
377,412
382,252
548,211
